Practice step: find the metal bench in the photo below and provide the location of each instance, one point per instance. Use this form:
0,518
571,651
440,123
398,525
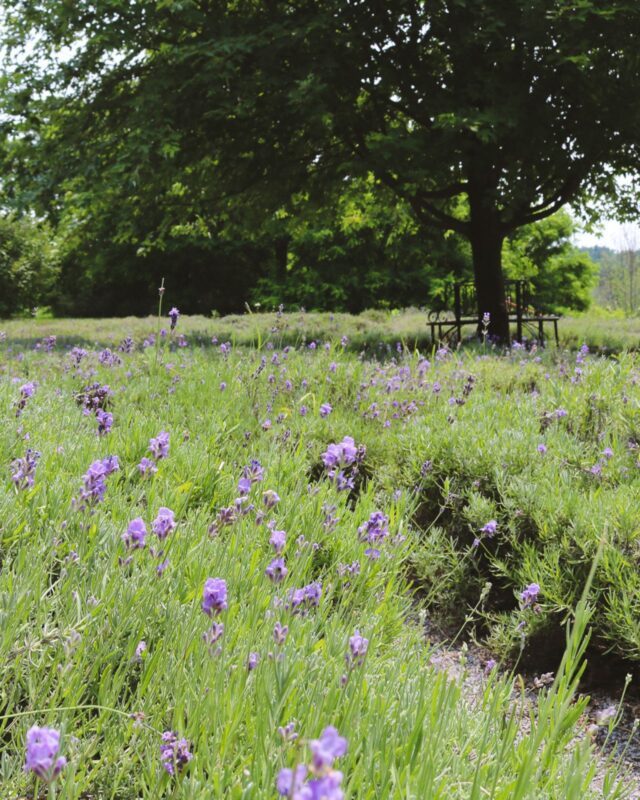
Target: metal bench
446,322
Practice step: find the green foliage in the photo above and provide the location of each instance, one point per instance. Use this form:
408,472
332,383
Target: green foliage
214,119
364,251
553,508
73,609
28,264
562,277
619,273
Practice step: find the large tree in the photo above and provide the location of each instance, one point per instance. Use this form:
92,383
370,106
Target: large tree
483,116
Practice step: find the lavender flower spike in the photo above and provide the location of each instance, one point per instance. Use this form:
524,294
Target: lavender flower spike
173,316
530,595
43,745
214,596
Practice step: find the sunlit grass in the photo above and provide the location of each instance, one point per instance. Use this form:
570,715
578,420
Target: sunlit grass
75,604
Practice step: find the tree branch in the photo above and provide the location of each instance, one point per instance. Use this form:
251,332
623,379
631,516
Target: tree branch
420,203
545,208
423,209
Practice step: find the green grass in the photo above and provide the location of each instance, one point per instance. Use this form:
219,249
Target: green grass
373,330
72,610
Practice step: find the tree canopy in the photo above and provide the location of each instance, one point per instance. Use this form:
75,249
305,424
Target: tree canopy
182,117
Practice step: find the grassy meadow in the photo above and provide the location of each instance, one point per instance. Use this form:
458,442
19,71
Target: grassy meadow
375,331
213,551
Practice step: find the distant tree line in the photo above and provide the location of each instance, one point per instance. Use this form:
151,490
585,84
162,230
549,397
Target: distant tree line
368,256
618,286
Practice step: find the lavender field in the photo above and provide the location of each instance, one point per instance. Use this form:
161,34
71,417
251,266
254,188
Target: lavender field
218,561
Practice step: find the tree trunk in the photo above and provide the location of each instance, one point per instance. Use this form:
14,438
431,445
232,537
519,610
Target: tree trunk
486,247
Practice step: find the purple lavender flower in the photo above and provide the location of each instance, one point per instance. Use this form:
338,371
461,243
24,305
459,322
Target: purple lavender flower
252,661
49,343
344,482
300,600
342,454
110,464
108,358
325,409
94,484
327,748
530,595
173,316
372,553
542,449
215,632
358,647
277,540
277,570
159,446
126,345
291,783
348,569
43,745
375,529
27,390
134,537
490,666
93,397
225,516
147,466
280,633
326,787
242,507
174,753
490,528
252,473
24,469
141,648
105,421
162,566
164,523
214,596
77,354
288,732
330,519
270,499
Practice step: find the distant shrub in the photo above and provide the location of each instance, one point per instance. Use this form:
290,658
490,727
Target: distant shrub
28,264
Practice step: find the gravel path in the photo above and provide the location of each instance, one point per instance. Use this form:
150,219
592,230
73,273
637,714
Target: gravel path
467,661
